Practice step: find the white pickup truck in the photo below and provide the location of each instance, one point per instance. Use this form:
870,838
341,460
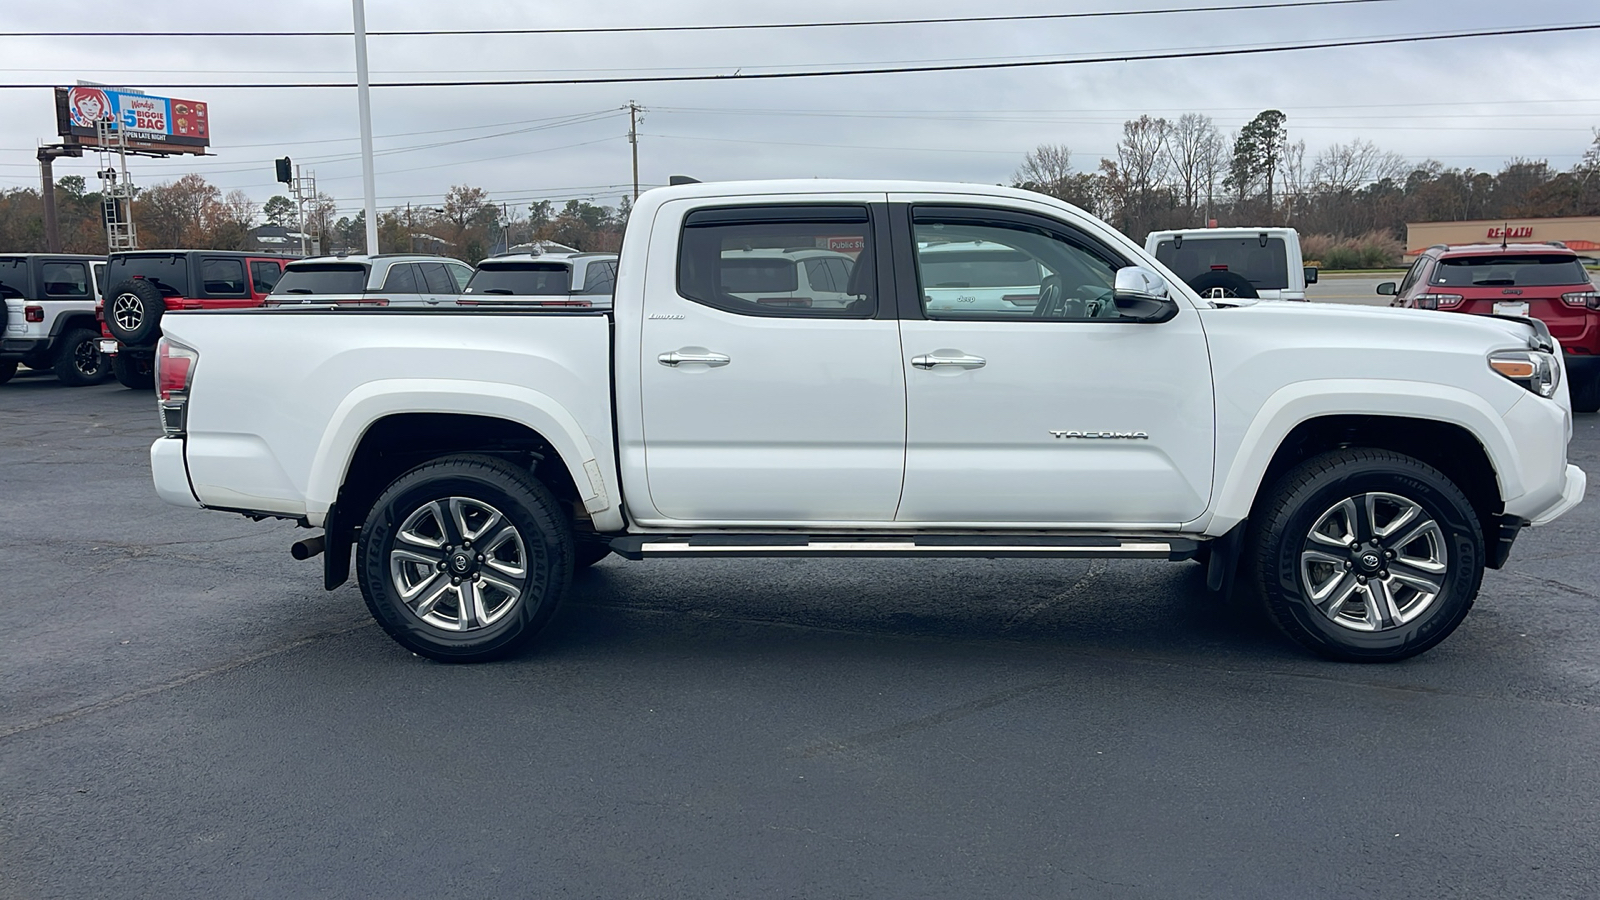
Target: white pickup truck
1357,467
1235,263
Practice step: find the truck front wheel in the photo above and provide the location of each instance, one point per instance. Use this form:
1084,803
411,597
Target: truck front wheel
1366,555
464,558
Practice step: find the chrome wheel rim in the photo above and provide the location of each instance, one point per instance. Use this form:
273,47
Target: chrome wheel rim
1374,562
128,310
458,564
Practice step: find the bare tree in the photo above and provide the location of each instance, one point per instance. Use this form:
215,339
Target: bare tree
1046,169
1193,153
1346,168
1142,153
1292,176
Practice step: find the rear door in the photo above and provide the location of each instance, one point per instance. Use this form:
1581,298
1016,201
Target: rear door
758,413
438,286
1059,413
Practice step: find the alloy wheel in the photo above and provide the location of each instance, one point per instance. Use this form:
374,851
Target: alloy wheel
1374,561
458,564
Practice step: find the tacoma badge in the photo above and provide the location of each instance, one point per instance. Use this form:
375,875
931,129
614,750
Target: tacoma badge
1102,435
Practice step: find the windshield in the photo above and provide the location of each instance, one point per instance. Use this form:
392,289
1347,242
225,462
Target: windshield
1265,266
525,278
1510,270
325,278
13,278
168,272
978,269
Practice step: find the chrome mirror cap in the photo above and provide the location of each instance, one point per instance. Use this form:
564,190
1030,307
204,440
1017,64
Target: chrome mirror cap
1137,281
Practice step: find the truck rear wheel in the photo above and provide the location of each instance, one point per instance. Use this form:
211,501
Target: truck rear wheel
79,361
132,372
464,559
1366,555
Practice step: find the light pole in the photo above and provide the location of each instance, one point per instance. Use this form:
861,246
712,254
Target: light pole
364,102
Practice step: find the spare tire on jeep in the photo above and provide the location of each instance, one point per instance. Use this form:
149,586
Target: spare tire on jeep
1221,283
133,312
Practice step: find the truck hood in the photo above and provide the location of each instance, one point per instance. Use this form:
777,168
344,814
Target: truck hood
1428,327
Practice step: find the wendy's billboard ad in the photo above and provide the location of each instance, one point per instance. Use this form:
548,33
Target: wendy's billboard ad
175,126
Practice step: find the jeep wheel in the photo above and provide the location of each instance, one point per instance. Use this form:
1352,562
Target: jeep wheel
132,372
465,558
133,314
1366,555
8,368
1219,285
80,361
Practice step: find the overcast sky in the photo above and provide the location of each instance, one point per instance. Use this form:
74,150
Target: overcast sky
1468,103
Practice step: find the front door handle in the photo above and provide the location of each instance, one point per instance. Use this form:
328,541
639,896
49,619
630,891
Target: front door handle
679,357
964,361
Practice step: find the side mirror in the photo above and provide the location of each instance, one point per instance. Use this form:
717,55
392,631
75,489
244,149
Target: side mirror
1388,289
1311,274
1141,296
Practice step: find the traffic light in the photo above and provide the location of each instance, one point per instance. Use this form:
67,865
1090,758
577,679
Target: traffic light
285,171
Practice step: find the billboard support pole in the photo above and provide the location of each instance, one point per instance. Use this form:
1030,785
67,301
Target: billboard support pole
364,103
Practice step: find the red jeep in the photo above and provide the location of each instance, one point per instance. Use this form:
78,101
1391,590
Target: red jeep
141,285
1543,281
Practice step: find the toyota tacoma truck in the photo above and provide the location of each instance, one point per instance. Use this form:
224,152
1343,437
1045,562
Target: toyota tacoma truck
1355,469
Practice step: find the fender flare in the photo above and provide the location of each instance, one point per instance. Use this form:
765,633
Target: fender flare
376,400
1294,404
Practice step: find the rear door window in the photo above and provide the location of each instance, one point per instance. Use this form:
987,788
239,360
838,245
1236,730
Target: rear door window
222,277
65,279
323,278
522,279
438,278
1510,270
744,260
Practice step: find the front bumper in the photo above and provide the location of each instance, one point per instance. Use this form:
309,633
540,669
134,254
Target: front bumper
1571,495
171,474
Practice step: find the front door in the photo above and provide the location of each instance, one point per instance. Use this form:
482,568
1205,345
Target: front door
1029,400
760,404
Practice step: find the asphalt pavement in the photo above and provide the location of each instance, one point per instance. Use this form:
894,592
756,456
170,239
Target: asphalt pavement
185,713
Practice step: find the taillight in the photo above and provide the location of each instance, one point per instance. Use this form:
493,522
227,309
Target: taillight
33,313
1438,301
174,372
1582,299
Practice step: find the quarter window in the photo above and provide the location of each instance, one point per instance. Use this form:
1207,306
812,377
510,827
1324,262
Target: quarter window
65,279
973,269
401,280
601,277
438,279
223,277
747,260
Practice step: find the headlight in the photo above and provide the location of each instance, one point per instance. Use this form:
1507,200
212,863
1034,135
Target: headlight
1533,369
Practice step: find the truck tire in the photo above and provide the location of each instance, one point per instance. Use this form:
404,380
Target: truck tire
79,361
131,372
8,368
1586,396
133,314
1365,555
465,558
1223,284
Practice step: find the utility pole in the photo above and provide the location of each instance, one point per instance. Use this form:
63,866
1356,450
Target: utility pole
364,106
633,139
48,154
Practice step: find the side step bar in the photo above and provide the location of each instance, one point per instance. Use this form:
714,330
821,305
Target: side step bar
981,546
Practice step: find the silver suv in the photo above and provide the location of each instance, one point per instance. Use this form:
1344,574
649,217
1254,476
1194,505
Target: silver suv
547,279
384,279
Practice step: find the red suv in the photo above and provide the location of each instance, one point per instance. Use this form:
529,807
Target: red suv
1542,281
141,285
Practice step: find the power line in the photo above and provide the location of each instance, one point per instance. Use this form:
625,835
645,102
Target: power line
737,76
653,29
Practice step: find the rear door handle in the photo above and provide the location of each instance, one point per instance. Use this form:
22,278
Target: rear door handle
964,361
678,357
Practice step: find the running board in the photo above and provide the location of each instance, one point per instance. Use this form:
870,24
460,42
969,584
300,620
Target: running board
981,546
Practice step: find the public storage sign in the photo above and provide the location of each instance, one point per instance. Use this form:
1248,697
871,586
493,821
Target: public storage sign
178,126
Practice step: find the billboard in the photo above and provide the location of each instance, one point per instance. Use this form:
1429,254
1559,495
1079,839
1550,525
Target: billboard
156,124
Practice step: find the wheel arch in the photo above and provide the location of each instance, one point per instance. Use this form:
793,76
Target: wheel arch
1448,428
